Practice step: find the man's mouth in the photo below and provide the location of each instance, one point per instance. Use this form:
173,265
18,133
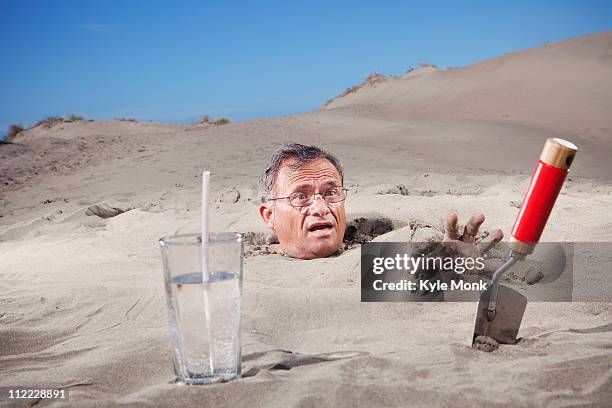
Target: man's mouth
320,226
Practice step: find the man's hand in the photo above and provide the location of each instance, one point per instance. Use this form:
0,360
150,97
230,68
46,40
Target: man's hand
451,233
464,245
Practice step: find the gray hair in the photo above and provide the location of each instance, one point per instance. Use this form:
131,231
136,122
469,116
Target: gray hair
302,155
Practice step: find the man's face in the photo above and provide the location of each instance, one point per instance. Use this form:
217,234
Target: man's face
310,232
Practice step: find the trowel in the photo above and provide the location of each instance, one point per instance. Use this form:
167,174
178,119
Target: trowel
501,309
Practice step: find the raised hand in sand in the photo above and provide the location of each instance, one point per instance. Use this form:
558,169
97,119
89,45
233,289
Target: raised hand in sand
458,253
464,245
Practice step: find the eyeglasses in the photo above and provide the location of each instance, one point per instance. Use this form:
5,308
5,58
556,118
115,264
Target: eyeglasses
301,199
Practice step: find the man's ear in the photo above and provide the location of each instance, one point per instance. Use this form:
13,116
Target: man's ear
266,212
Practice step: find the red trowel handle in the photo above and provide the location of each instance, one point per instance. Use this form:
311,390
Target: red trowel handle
546,182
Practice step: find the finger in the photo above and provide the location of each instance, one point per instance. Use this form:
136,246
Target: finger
490,241
472,226
451,232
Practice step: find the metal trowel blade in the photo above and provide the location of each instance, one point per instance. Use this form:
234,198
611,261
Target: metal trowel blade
506,323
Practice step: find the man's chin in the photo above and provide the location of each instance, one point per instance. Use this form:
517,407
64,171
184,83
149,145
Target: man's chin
318,249
325,251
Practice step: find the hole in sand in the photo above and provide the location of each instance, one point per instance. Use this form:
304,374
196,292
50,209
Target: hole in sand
105,210
365,228
359,229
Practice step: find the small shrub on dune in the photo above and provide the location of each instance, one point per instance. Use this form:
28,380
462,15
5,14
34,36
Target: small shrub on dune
349,91
49,122
13,131
207,120
374,78
427,65
204,120
75,117
220,122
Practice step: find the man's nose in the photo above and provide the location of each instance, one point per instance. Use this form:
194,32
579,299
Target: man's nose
318,207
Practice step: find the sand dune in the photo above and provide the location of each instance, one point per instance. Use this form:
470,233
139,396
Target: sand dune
564,86
82,205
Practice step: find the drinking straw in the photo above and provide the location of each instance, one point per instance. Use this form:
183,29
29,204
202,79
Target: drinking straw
205,194
205,266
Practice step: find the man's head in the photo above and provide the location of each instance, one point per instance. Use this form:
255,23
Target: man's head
303,201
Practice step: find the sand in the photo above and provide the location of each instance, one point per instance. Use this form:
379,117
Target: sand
82,205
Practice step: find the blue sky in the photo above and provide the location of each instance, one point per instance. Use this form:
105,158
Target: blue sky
175,61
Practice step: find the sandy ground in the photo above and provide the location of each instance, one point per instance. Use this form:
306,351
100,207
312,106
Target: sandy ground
82,299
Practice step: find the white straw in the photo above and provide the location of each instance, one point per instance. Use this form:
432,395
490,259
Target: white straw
205,270
205,194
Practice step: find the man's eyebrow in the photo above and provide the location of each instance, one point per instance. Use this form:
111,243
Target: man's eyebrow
303,186
308,186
